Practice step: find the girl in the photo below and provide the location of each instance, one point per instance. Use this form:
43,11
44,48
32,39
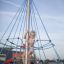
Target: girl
30,40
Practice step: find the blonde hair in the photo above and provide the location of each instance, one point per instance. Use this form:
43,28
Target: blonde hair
29,33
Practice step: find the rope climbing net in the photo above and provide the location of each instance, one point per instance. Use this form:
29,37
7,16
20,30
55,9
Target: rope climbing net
13,36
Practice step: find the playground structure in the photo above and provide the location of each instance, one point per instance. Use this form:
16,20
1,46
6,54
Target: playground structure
25,20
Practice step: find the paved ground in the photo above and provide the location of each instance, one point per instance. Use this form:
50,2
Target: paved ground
55,63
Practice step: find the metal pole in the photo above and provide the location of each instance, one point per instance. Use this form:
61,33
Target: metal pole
28,28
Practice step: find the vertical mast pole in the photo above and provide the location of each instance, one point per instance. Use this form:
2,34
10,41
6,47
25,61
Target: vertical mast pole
28,27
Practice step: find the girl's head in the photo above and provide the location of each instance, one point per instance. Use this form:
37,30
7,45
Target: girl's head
30,37
30,34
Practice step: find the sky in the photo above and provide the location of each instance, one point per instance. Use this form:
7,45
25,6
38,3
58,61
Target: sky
51,12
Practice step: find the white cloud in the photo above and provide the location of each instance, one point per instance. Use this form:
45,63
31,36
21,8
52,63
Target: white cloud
6,13
9,2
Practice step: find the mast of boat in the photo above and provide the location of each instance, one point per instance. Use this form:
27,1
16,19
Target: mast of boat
27,27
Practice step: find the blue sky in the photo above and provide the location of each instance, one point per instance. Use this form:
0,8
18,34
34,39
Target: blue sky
51,12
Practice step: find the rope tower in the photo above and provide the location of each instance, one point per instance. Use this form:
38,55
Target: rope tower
27,18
